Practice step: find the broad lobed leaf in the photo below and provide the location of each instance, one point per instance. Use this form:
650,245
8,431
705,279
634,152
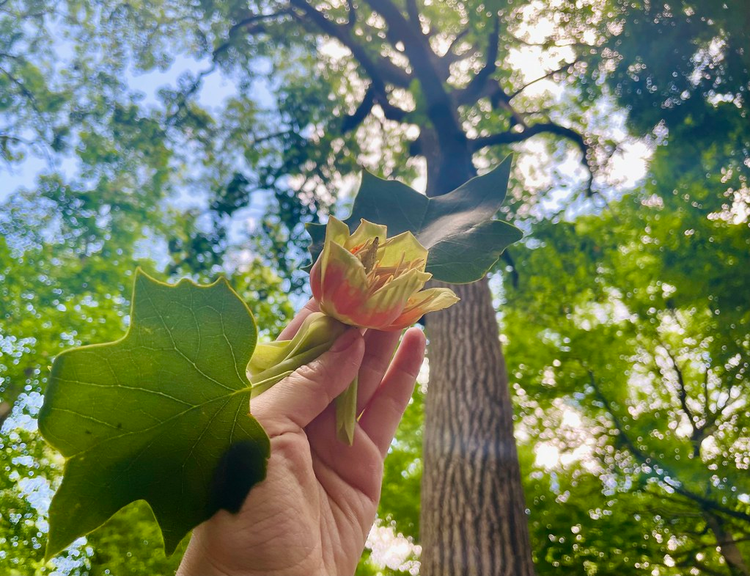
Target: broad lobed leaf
457,228
161,415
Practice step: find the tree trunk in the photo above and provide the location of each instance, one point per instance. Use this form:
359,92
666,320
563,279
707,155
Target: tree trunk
473,518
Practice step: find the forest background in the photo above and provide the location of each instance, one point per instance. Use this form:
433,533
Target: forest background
197,139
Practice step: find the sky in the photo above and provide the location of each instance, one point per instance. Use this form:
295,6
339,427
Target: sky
215,89
627,169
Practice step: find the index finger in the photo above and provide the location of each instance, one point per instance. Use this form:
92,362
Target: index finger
291,329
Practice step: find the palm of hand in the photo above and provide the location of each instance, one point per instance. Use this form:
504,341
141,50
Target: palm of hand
313,512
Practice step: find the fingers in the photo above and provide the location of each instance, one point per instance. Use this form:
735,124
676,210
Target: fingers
289,332
303,395
384,412
379,347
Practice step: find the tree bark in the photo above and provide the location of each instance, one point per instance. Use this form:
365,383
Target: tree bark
473,518
5,410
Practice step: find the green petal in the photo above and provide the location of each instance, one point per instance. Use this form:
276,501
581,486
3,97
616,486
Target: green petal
265,356
404,244
365,231
336,231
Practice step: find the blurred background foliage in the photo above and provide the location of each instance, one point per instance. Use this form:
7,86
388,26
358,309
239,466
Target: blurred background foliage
196,139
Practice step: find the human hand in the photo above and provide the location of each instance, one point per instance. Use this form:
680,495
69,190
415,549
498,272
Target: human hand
312,513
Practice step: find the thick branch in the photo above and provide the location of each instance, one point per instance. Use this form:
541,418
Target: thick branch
351,121
380,72
440,107
540,128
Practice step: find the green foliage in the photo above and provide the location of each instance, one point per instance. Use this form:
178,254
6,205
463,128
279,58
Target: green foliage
402,480
130,544
160,415
663,285
457,228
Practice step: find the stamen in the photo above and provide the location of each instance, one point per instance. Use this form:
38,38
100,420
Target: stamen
368,254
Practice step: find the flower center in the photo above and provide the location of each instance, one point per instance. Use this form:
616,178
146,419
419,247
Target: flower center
377,275
368,253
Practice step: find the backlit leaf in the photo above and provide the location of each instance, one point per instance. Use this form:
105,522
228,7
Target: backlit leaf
160,415
457,228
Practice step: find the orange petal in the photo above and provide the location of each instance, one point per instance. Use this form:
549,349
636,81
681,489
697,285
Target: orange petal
343,287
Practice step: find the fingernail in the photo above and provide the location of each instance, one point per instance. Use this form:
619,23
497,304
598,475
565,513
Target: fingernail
345,340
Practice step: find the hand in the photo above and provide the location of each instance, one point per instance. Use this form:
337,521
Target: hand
312,513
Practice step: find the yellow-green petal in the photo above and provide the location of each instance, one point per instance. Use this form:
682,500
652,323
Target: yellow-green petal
433,299
404,244
336,231
365,231
395,295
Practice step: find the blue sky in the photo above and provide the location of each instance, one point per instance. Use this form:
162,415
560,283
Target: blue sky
215,89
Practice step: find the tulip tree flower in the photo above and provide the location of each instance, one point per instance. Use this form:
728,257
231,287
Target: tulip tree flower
364,279
371,281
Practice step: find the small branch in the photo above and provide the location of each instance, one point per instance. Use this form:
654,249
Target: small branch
24,90
681,390
372,97
552,44
15,139
251,24
648,459
476,86
547,75
713,545
455,41
514,277
185,96
706,404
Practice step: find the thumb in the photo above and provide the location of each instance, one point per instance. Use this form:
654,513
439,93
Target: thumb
300,397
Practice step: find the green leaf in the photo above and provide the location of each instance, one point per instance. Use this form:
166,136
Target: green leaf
457,228
160,415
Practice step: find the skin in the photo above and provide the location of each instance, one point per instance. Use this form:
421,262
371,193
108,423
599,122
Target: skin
313,512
